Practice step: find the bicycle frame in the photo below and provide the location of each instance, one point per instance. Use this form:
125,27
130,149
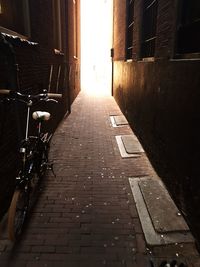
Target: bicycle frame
33,149
28,118
30,154
29,104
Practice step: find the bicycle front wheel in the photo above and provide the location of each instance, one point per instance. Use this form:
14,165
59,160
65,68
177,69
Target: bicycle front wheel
17,214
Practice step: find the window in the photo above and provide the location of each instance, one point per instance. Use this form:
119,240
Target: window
149,28
129,28
188,38
14,16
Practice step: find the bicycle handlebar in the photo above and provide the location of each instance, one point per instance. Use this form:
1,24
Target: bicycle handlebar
27,98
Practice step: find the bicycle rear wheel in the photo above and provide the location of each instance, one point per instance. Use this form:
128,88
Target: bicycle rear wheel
17,214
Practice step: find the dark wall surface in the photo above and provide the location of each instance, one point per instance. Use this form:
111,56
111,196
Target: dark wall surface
74,48
36,57
160,98
33,76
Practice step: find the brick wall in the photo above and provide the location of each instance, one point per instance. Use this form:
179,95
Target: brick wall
119,22
160,100
42,22
42,32
34,65
35,62
137,29
166,25
74,57
10,17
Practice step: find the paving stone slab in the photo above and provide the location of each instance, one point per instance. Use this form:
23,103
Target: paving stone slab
152,237
120,120
132,144
122,149
163,212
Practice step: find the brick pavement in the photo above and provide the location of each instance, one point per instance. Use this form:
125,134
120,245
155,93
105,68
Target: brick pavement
86,216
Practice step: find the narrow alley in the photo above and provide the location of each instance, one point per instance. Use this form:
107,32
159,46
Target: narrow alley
86,215
126,189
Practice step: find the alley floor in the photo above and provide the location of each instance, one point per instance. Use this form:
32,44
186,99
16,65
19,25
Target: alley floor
86,216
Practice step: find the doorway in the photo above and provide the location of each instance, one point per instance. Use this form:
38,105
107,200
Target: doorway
96,43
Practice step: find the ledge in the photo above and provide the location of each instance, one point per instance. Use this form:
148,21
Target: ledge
12,33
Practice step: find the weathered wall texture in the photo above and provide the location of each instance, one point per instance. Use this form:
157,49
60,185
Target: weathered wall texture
119,22
34,66
35,62
74,48
161,101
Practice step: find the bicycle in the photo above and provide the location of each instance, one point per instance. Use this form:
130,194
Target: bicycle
33,160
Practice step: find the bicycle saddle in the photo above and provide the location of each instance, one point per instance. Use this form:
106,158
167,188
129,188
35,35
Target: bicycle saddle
41,115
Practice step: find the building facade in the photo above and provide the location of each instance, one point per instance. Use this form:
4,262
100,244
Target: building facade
156,84
40,50
156,66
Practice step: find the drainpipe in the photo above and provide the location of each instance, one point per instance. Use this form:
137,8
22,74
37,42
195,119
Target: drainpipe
112,71
66,63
